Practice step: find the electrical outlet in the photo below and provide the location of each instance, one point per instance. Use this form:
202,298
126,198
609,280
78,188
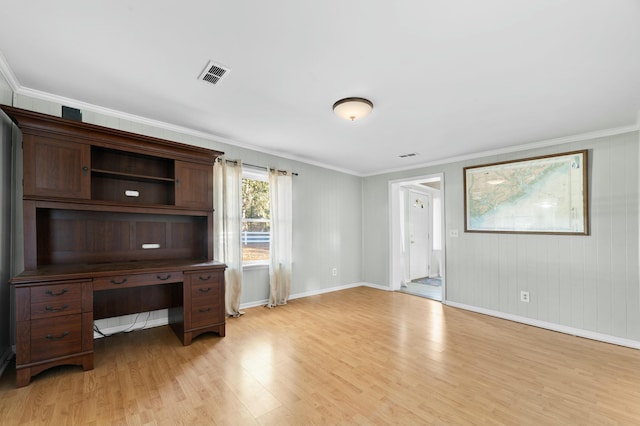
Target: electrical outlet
453,233
524,296
334,272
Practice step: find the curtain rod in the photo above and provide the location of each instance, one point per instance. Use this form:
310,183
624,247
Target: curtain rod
258,167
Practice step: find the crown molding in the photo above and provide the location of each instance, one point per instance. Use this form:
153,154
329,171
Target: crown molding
517,148
8,74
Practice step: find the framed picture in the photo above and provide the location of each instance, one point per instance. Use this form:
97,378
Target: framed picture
541,195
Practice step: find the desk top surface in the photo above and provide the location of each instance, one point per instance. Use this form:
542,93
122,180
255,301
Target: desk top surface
88,271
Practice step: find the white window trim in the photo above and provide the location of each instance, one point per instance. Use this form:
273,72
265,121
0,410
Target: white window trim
256,264
260,174
255,173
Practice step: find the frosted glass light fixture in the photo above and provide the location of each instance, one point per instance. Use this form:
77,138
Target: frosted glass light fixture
352,108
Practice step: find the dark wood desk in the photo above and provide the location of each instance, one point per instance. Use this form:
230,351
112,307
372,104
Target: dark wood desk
56,306
106,215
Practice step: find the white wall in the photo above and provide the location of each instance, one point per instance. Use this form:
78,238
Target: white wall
583,282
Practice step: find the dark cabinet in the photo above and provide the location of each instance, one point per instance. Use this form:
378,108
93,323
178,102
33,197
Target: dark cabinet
66,159
56,168
203,310
194,185
204,291
114,223
54,326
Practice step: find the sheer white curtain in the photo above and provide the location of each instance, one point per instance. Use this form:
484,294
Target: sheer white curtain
280,187
227,179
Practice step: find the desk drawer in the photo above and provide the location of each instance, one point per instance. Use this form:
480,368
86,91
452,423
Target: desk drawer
206,290
55,300
207,314
207,298
205,277
136,280
56,337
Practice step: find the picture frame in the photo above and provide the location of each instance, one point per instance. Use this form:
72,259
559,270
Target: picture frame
537,195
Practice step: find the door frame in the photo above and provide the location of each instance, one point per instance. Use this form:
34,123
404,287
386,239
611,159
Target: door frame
396,231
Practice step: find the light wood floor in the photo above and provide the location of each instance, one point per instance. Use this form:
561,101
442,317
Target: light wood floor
358,356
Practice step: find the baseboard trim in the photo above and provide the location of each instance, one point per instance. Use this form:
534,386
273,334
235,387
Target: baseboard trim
378,287
254,304
305,294
325,290
606,338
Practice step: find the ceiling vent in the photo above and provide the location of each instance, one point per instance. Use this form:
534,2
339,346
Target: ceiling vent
213,73
411,154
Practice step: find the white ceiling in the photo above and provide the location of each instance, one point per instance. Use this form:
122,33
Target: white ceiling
448,78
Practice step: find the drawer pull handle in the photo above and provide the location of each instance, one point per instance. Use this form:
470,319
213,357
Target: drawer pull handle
60,293
204,290
163,278
62,336
116,282
205,310
205,278
52,309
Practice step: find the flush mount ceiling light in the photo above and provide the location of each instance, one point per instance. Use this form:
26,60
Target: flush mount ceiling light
352,108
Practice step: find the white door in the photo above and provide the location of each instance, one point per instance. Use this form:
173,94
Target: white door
419,234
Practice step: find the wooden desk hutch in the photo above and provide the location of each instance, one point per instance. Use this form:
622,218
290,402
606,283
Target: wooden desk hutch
115,223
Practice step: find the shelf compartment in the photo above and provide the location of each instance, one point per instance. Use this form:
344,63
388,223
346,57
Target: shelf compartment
131,178
131,163
93,237
147,191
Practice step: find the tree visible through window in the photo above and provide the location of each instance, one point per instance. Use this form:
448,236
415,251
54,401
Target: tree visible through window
255,217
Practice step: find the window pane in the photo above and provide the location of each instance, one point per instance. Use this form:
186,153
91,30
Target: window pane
255,220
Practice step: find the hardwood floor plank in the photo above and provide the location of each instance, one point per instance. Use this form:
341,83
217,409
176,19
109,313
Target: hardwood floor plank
358,356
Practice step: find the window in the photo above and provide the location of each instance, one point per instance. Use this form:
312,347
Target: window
256,217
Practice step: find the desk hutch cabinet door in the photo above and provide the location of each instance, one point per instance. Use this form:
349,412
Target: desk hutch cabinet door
194,185
56,168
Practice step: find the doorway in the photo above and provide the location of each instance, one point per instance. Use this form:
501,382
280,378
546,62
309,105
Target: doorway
419,225
416,236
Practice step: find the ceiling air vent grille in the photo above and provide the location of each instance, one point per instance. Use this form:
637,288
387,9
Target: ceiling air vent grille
213,73
412,154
